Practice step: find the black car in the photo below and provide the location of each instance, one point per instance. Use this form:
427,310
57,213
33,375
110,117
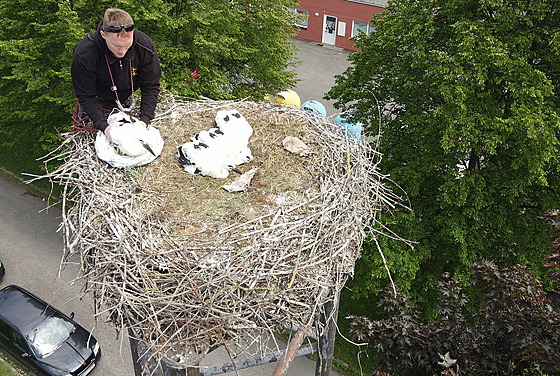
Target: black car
42,338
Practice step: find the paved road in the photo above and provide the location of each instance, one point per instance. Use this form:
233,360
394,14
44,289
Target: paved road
31,247
319,65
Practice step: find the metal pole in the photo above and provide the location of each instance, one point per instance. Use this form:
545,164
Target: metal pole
134,351
247,363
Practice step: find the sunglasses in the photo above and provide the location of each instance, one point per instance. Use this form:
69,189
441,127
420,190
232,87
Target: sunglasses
119,28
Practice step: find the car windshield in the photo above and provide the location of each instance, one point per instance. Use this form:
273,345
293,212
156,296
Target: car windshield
48,336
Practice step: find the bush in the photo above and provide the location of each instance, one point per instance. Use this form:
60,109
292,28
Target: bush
514,331
553,259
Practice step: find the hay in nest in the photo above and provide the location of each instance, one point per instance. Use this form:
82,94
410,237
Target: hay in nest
193,266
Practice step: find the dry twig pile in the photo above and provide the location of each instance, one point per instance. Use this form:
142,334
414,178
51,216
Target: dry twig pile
193,266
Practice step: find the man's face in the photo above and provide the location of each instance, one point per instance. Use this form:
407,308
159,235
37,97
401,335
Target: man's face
118,43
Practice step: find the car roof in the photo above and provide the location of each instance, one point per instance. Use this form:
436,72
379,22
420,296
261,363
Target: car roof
22,309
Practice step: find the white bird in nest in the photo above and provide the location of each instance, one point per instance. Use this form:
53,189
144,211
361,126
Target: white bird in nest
232,149
129,135
227,146
239,156
234,125
197,158
208,137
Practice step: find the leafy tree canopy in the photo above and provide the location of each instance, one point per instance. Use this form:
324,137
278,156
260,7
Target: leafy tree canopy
468,92
227,49
36,41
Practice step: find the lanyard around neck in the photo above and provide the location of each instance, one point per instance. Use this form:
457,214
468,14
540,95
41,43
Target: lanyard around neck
114,88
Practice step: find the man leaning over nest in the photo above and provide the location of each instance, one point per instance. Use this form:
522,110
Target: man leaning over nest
112,63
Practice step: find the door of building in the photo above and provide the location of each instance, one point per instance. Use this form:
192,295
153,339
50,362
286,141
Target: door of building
329,30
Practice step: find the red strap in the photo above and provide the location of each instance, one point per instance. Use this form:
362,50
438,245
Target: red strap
84,123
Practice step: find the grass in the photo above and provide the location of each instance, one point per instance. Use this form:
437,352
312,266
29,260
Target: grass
6,370
9,367
21,158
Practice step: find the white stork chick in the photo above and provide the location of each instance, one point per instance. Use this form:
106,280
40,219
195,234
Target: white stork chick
128,135
197,158
226,144
233,152
208,136
234,125
240,156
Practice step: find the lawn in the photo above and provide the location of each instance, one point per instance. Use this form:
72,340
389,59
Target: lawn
8,367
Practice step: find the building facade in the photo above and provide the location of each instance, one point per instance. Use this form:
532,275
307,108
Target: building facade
334,22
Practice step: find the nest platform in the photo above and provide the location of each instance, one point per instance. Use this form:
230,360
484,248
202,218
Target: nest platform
193,266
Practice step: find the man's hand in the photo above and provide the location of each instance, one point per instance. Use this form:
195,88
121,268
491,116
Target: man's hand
108,134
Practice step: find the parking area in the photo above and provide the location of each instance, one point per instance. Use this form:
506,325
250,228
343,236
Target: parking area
317,70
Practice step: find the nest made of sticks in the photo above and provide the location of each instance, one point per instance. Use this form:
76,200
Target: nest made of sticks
192,266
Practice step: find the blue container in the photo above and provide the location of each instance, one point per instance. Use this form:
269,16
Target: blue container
353,130
315,107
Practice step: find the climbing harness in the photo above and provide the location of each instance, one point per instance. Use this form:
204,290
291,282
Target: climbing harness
114,88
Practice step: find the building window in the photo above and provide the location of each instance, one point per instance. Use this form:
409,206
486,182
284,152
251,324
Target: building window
365,27
300,18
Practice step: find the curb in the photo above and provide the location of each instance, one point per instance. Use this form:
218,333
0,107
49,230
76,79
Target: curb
32,188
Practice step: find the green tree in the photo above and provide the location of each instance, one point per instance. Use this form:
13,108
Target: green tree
470,131
36,41
227,49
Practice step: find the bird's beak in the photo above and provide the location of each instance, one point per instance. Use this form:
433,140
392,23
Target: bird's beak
148,148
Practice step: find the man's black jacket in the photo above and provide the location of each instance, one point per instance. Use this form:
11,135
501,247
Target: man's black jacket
92,81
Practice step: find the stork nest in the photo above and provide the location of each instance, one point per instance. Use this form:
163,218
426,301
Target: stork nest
192,266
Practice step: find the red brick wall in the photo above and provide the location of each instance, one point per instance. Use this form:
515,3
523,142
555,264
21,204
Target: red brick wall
345,11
